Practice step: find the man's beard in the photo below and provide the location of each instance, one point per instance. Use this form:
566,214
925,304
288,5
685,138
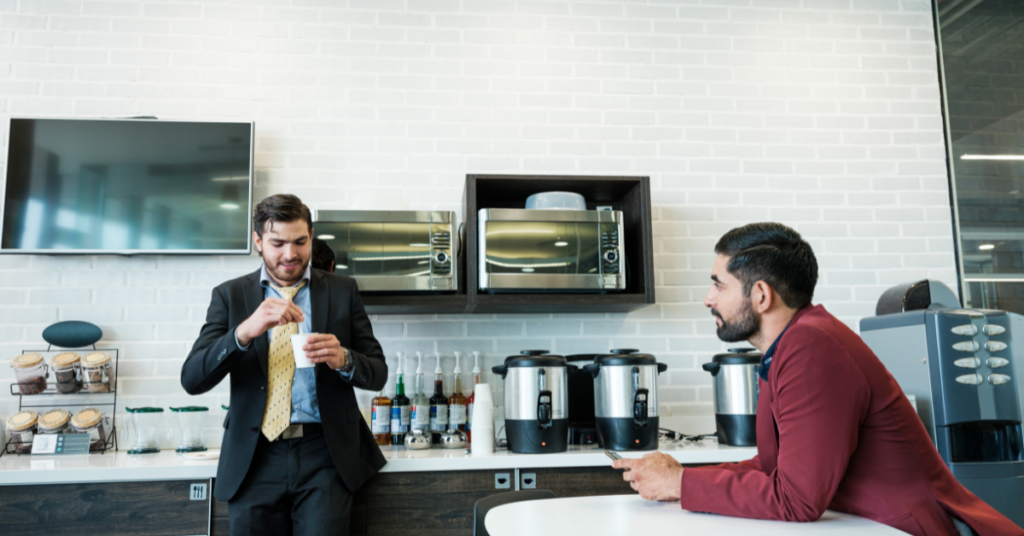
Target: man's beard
742,328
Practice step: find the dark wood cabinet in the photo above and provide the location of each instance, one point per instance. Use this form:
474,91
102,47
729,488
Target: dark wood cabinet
576,481
391,504
426,504
137,508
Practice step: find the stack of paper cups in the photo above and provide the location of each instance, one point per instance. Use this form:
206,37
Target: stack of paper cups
483,421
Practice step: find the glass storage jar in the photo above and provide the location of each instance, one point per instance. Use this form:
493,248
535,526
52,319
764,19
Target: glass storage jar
54,421
191,421
30,371
22,427
147,424
91,421
96,376
67,371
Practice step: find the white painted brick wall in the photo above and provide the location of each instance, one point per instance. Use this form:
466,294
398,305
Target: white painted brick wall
822,114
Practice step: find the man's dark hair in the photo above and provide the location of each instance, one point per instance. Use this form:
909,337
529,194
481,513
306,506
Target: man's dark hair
322,256
281,208
775,254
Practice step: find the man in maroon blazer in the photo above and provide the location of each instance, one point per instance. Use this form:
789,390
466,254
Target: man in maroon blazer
834,430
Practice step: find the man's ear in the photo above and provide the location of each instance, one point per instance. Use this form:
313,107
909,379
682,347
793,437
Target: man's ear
761,297
258,242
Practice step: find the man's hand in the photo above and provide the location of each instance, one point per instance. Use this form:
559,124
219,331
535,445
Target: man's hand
272,313
325,348
656,476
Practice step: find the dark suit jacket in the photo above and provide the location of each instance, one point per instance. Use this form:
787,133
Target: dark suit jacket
834,430
337,309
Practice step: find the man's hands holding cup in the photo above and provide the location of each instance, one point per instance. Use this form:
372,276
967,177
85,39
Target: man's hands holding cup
325,348
272,313
656,476
276,312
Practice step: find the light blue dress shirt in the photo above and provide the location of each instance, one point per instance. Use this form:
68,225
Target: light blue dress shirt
305,408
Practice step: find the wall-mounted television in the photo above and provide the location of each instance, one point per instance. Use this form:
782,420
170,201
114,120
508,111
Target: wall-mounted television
127,187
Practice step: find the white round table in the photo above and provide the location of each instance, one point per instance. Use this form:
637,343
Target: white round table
629,514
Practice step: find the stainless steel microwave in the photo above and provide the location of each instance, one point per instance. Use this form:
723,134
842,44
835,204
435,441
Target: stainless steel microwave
392,250
551,250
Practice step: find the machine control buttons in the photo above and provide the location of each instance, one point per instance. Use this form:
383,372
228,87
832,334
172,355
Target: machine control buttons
966,329
967,346
997,362
995,346
970,379
998,379
993,329
968,362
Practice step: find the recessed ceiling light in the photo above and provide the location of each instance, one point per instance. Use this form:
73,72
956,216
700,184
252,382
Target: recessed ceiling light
992,157
528,270
987,246
229,206
326,237
342,267
561,244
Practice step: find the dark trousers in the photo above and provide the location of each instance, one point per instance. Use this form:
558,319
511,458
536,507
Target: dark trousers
292,488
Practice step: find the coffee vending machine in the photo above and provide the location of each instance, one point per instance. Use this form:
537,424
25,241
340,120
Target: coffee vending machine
963,366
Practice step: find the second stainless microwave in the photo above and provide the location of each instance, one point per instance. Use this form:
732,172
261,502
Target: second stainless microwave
392,250
551,250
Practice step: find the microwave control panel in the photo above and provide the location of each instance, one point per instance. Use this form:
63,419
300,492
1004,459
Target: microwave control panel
610,257
441,251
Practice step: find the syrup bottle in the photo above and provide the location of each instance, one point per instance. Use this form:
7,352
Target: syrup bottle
380,420
399,407
472,397
438,406
457,402
419,413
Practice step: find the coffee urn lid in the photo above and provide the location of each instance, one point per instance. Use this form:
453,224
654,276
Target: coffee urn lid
535,358
738,356
625,357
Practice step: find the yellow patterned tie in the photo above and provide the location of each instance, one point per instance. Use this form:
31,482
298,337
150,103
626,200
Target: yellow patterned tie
278,412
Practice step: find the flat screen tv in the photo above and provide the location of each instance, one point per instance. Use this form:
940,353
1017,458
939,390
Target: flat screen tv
127,187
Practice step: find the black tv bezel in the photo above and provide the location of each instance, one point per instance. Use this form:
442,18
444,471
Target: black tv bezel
129,252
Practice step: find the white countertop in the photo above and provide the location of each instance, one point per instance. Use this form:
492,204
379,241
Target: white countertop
630,514
167,465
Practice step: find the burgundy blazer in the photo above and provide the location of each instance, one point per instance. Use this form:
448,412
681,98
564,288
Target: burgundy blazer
834,431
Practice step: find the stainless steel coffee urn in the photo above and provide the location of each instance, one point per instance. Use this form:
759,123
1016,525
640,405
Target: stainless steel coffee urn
626,399
536,401
735,379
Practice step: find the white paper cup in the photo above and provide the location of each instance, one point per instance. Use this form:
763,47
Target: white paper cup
300,356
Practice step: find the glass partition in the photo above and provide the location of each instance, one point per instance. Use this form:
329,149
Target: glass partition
982,58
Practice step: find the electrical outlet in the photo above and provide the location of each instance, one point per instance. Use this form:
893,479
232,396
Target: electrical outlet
502,481
528,481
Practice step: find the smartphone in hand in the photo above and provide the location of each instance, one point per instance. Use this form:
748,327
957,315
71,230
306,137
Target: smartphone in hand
613,455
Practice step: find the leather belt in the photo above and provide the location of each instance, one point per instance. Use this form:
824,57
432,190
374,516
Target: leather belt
298,430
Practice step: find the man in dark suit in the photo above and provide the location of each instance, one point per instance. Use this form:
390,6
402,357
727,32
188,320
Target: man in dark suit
295,446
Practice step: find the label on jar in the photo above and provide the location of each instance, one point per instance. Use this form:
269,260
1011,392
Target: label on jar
438,418
400,419
420,417
380,420
469,417
457,415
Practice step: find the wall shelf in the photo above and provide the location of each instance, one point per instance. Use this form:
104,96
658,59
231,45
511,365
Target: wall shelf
631,195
